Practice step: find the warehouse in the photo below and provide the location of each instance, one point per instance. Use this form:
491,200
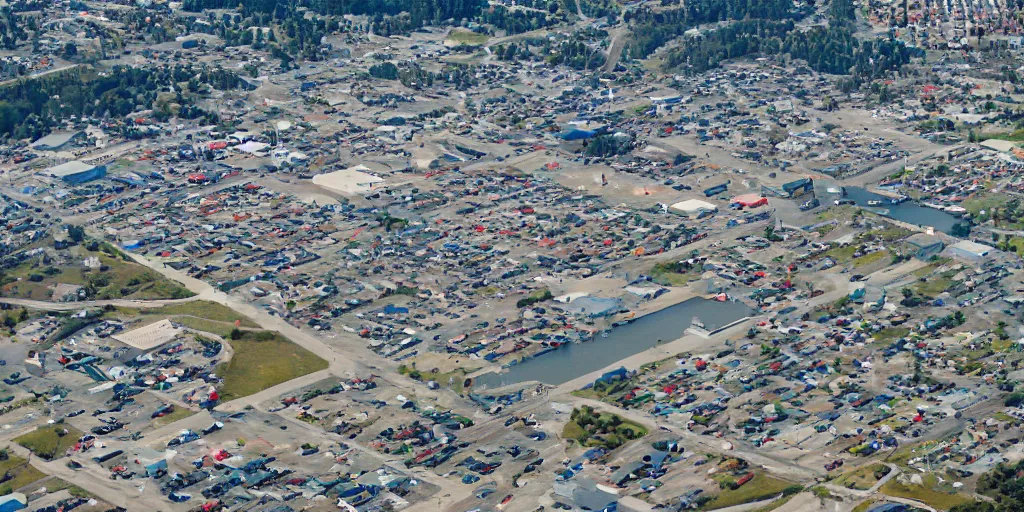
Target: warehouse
971,252
349,181
75,172
58,141
693,208
149,337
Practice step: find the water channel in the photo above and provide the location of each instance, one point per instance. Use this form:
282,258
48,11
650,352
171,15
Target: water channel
576,359
908,211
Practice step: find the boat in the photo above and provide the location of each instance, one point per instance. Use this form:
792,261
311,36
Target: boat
874,202
900,199
832,190
721,297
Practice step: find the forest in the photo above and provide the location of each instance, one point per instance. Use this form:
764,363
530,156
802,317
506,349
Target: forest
32,107
827,49
420,12
652,29
738,39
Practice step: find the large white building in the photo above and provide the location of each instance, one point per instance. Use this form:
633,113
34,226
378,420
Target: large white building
349,181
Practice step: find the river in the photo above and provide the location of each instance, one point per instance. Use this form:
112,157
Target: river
575,359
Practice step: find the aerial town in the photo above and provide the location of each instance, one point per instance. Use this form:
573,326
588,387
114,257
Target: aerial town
512,255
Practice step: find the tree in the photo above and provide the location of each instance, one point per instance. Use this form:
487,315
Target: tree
70,50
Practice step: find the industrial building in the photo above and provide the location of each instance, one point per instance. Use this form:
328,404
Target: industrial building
971,252
923,246
349,181
693,208
75,172
57,141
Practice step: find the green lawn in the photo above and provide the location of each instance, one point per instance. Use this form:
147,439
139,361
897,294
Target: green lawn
761,487
935,498
665,274
870,258
467,37
933,286
46,442
890,334
117,279
264,359
21,472
203,309
179,413
861,478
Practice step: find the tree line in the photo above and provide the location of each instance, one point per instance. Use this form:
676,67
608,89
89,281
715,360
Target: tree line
30,108
651,29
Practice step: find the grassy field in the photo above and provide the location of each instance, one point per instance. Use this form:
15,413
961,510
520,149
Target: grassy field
665,274
45,442
890,334
116,278
932,286
467,37
591,428
21,472
864,506
870,258
264,359
179,413
761,487
200,315
861,478
924,493
56,484
204,309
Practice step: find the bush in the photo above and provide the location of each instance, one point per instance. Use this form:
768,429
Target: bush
1014,399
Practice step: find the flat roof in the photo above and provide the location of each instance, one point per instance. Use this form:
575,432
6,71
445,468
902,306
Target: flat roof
54,139
347,180
973,247
693,205
69,168
150,336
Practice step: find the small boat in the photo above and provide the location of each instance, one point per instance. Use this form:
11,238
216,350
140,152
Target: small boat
874,202
832,190
900,199
721,297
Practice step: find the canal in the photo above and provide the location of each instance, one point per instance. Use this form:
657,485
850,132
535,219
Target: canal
576,359
908,211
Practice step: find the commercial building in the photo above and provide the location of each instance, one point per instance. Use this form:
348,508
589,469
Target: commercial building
971,252
150,336
923,246
75,172
349,181
693,208
57,141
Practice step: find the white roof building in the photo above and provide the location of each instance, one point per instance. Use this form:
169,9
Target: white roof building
349,181
692,207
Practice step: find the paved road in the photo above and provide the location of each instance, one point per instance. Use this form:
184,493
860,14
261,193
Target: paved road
76,306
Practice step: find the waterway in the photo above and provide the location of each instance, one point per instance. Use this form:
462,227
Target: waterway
907,211
575,359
